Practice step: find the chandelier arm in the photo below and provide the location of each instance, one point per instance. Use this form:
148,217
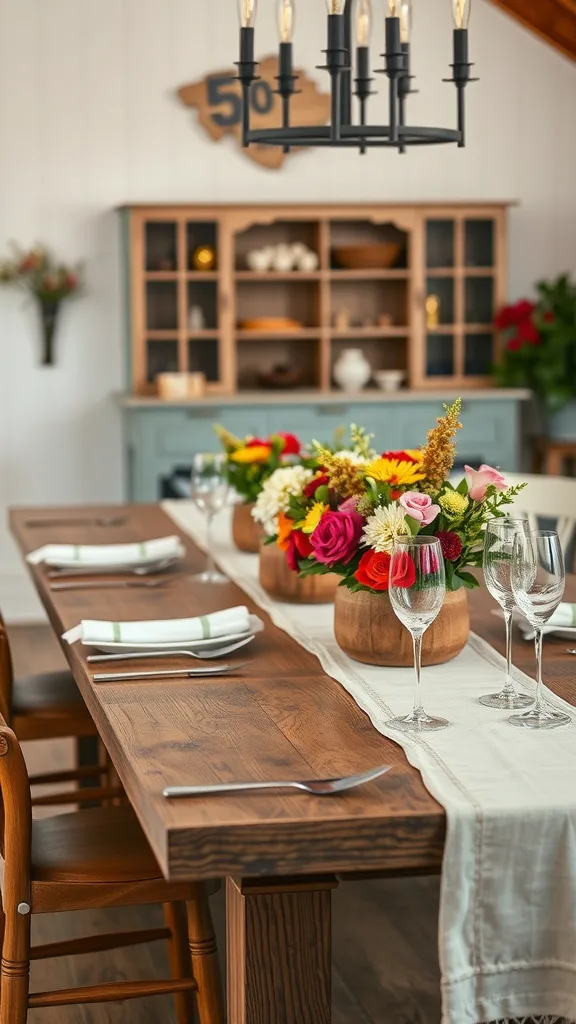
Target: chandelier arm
346,76
394,69
247,68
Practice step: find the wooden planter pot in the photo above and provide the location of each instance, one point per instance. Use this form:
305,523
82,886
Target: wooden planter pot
246,533
367,630
284,585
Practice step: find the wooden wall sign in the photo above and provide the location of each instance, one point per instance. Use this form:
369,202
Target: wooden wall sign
217,98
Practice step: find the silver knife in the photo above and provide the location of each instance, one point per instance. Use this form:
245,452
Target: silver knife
180,673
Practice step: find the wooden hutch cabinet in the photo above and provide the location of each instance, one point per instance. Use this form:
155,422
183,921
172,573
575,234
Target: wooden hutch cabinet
414,287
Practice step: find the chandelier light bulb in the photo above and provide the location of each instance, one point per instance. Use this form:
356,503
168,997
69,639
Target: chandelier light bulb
248,13
335,6
286,20
461,12
405,20
363,22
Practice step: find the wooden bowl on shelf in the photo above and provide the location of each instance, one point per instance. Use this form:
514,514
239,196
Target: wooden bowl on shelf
367,257
280,378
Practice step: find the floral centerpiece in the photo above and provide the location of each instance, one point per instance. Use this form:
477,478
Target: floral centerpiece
250,461
270,511
344,518
49,282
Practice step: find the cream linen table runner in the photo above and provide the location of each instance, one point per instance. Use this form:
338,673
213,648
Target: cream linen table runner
507,933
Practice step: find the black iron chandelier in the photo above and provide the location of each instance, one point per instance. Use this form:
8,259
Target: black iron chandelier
342,131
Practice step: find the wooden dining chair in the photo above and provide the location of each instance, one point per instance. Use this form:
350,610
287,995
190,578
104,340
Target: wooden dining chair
549,500
49,705
92,859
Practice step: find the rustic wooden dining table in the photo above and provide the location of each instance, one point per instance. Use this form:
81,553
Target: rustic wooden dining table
281,854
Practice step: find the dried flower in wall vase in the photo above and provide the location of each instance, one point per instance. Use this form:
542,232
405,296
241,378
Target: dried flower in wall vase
48,282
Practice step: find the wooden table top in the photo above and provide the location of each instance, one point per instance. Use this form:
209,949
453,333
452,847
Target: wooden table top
281,718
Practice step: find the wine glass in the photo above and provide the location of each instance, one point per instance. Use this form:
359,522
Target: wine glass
497,562
538,579
417,590
209,489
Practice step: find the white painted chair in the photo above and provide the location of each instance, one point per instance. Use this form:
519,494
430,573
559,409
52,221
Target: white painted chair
546,497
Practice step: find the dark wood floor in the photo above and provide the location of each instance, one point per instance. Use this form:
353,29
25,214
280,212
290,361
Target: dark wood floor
384,938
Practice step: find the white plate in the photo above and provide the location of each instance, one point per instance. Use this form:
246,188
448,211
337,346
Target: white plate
107,568
562,632
256,626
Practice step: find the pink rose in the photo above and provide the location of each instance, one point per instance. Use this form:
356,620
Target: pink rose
419,507
336,537
479,480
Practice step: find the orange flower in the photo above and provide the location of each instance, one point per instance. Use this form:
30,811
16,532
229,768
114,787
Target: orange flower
285,527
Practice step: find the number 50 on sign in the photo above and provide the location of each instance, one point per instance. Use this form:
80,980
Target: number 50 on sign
217,98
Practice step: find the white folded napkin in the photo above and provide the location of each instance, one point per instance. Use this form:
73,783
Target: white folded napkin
227,622
108,554
563,618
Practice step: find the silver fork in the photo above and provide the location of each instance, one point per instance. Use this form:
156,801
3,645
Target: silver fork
318,787
92,570
218,652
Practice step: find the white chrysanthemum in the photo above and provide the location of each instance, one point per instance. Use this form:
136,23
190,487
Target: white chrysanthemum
275,495
354,457
384,527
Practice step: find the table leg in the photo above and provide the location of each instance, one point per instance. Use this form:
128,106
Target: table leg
279,950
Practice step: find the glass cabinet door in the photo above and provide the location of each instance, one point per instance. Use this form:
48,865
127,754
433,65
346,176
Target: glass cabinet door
440,305
461,295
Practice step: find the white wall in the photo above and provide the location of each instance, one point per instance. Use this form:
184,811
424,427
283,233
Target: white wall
88,120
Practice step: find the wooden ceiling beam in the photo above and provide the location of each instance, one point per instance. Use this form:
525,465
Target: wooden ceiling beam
552,20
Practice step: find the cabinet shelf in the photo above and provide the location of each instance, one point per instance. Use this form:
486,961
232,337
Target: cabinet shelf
461,271
274,276
369,275
371,332
303,332
203,335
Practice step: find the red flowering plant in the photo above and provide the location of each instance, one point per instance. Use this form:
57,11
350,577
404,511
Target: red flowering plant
251,461
345,516
539,343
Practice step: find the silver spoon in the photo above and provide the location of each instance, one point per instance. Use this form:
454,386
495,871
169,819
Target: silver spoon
318,787
216,653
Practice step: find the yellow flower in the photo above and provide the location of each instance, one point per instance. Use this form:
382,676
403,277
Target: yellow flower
394,472
313,517
453,504
256,453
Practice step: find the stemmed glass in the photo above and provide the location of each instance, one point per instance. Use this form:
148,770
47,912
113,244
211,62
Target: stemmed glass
497,563
417,589
538,579
210,492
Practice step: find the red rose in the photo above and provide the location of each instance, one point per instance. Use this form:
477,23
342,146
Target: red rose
257,442
292,445
71,282
514,345
299,546
374,570
451,545
311,488
404,571
549,317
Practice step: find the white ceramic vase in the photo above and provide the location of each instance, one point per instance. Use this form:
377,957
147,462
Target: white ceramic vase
352,371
